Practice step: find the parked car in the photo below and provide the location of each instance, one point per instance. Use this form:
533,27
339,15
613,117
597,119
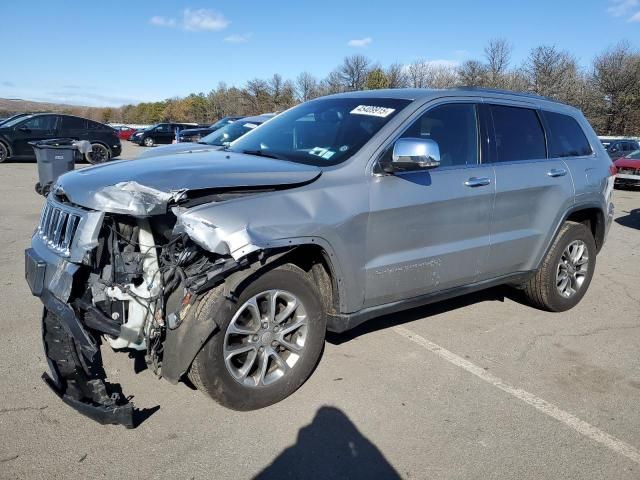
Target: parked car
229,267
162,133
124,132
16,134
196,134
628,168
620,148
214,141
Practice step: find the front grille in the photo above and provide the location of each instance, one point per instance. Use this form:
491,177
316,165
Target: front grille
58,226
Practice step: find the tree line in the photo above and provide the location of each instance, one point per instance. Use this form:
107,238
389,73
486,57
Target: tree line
607,90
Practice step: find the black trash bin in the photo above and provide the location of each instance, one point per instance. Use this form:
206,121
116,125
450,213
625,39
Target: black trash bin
55,157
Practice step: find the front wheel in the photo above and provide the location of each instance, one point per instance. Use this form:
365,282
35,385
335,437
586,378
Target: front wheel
566,271
148,142
268,343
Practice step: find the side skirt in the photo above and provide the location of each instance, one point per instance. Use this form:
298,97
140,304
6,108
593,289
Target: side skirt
346,321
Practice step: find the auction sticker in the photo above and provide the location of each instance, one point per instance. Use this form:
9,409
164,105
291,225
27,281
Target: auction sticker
372,111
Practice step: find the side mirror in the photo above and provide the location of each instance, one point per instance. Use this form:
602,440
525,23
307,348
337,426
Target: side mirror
414,154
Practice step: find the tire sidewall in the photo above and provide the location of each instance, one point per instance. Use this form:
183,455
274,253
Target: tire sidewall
574,232
215,375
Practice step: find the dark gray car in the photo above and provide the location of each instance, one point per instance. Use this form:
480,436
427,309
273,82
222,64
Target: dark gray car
229,267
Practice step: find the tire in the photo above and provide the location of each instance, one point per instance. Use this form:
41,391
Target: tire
148,142
99,154
223,381
4,152
544,289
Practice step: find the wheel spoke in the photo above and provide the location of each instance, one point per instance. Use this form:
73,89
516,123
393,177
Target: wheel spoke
294,326
248,364
280,361
234,329
286,312
292,347
263,363
233,351
272,300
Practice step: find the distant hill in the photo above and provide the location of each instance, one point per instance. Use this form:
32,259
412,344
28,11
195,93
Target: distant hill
9,106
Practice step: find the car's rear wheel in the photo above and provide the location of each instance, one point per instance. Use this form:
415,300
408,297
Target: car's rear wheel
268,343
98,154
148,142
566,271
4,152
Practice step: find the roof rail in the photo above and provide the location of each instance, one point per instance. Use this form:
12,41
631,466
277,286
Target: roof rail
507,92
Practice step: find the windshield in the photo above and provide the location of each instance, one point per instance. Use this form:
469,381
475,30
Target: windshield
227,134
634,155
321,132
15,120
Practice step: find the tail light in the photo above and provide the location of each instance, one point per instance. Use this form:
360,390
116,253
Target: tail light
613,170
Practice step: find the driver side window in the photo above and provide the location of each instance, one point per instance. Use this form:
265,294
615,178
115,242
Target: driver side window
45,122
454,127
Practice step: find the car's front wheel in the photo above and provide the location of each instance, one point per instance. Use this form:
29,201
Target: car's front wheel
148,142
98,154
268,343
4,152
566,271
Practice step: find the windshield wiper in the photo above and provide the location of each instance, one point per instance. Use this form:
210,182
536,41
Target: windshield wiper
260,153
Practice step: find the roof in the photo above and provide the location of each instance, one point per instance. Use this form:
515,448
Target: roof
258,118
422,93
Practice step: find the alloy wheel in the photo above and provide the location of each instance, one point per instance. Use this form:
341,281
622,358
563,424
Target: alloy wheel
572,268
99,153
265,338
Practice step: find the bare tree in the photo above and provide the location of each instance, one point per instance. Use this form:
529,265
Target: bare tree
498,56
616,75
332,84
551,72
307,87
353,71
397,76
473,73
418,73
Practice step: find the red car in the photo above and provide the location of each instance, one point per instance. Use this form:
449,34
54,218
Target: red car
628,170
124,133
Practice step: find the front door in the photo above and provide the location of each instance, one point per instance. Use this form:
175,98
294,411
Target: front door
428,231
40,127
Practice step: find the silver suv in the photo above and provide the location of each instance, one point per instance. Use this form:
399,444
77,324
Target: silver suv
227,268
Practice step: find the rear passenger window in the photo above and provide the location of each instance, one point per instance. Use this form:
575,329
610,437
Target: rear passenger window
518,134
455,128
72,123
566,138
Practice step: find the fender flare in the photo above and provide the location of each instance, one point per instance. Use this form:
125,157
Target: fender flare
184,342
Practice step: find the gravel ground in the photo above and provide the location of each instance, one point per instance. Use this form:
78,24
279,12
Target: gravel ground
477,387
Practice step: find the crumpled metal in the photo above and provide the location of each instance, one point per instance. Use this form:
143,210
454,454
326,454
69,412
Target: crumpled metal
133,198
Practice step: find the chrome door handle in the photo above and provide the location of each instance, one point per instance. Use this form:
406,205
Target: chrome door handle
477,181
557,172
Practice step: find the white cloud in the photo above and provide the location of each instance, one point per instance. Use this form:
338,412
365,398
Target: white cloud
444,63
203,20
197,20
620,8
162,21
238,38
360,42
635,18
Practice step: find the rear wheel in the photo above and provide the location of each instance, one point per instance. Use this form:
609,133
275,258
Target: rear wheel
148,142
566,271
98,154
4,152
268,343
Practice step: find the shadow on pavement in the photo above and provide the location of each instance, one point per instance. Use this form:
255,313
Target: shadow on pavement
330,447
631,220
492,294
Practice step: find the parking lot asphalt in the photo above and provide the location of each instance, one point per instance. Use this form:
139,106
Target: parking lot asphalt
476,387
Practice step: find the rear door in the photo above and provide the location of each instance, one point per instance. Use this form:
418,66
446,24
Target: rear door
532,191
72,127
39,127
429,230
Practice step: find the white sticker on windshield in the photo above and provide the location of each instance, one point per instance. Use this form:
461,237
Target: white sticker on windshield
373,111
250,125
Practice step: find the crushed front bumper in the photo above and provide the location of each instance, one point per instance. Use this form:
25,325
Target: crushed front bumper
50,278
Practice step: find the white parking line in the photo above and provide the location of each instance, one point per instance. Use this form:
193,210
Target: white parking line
545,407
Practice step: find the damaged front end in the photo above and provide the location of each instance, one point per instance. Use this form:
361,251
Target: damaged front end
130,275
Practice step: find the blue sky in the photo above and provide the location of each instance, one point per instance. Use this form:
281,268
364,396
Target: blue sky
115,52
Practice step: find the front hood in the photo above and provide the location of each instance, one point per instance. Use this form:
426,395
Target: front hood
627,163
147,186
185,147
